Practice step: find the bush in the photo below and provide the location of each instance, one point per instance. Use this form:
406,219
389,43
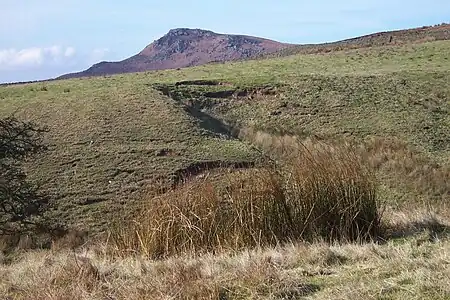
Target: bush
19,200
319,191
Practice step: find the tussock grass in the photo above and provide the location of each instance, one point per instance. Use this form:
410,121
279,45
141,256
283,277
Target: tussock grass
332,180
409,169
421,179
318,191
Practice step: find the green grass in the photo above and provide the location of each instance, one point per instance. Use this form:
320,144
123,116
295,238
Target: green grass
106,132
104,144
399,95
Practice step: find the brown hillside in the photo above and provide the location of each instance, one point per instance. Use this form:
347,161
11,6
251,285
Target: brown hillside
185,47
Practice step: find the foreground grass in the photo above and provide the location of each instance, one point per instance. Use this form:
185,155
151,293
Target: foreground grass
414,267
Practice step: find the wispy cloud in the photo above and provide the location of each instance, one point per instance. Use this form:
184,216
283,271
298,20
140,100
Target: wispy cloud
13,59
46,62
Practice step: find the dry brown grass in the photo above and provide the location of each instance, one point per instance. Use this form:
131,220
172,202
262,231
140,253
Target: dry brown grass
318,191
415,267
430,180
420,178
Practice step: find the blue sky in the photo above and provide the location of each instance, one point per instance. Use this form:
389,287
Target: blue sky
45,38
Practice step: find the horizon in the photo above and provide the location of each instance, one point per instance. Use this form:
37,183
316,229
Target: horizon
33,48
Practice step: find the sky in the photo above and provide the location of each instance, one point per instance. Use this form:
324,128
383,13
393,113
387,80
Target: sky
42,39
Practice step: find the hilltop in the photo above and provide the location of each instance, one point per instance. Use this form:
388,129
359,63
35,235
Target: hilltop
184,47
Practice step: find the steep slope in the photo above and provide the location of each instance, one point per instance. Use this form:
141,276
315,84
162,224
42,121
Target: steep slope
185,47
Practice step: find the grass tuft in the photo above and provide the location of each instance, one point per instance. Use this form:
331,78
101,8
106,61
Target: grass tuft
319,191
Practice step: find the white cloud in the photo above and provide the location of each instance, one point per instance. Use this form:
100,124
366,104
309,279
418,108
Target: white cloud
12,59
46,62
54,51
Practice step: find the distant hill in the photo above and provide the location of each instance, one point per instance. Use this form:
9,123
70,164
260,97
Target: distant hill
397,37
185,47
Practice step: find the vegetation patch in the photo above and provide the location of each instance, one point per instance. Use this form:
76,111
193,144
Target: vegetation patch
321,192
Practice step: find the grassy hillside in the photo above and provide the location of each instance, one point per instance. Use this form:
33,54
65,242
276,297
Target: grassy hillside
394,101
110,142
112,137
